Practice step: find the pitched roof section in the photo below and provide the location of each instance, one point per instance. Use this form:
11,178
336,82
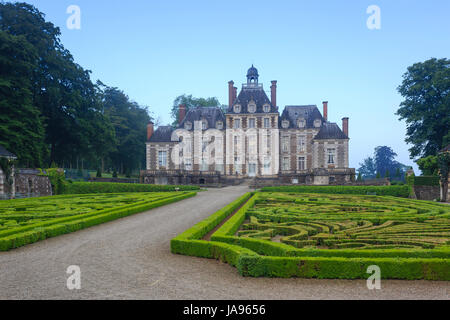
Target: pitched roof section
210,114
6,154
308,112
330,130
162,134
256,94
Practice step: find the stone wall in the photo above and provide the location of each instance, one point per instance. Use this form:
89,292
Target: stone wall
28,183
427,192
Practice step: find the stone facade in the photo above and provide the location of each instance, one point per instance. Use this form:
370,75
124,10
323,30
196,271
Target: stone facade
26,183
250,140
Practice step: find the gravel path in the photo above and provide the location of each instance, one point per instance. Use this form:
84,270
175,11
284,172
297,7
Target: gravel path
130,259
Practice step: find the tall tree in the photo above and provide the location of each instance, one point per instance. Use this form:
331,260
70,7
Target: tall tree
61,89
426,108
190,102
130,122
21,128
367,168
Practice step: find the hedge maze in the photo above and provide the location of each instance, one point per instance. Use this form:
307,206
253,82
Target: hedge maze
24,221
320,235
345,221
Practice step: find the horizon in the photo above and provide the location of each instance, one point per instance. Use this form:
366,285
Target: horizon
324,51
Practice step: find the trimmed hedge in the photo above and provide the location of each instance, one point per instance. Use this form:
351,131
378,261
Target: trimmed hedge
396,191
21,236
110,187
423,180
260,258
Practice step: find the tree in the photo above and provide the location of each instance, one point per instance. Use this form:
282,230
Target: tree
444,167
359,179
426,108
21,127
129,121
367,169
384,159
61,89
428,165
191,102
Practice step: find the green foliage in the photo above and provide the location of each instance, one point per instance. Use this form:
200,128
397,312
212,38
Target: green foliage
428,165
423,180
382,164
41,86
359,179
114,175
110,187
99,173
57,179
42,218
262,258
426,108
396,191
7,167
21,127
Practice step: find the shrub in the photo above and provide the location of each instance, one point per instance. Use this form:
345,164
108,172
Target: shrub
110,187
396,191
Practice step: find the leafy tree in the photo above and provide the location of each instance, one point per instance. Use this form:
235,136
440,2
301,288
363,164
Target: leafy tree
387,174
428,165
368,168
191,102
426,108
129,121
378,176
61,89
359,177
21,127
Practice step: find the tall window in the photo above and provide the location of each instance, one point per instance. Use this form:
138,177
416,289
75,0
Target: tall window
268,143
251,123
188,165
237,123
267,165
285,144
286,163
301,143
204,125
301,163
162,158
204,145
266,123
331,155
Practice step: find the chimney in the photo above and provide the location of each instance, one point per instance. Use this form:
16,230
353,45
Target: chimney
150,130
273,89
345,126
325,110
181,112
230,93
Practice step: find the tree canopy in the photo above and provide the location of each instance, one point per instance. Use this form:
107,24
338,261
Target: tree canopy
382,164
51,111
426,108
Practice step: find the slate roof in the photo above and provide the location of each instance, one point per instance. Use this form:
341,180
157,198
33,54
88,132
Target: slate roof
257,94
308,112
6,154
330,130
210,114
162,134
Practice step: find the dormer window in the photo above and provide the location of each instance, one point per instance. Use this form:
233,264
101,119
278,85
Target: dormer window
301,123
188,125
266,108
252,107
285,124
219,125
237,108
317,123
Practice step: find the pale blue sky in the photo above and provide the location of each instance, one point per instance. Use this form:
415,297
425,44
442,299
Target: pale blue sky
317,50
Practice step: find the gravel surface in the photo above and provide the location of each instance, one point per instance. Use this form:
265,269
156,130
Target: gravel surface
130,259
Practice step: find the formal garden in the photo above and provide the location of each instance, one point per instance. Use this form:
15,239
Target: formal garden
326,232
25,221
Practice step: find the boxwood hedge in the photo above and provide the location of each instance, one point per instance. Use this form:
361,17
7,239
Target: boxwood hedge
110,187
396,191
261,258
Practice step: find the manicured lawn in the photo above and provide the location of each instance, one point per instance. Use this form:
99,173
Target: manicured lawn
24,221
326,236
